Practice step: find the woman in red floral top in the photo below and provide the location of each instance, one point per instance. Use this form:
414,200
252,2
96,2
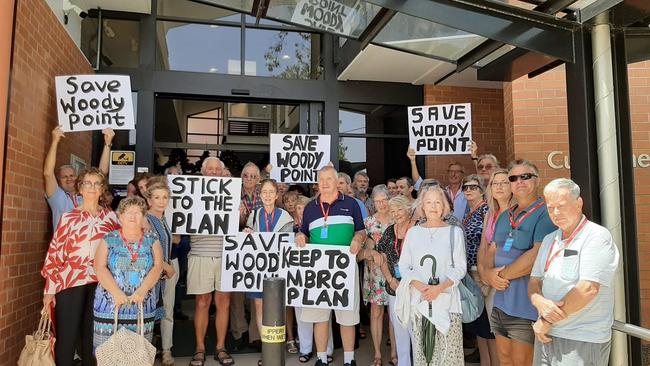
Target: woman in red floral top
70,279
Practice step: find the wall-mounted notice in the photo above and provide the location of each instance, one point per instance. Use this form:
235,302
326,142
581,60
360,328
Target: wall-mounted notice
250,258
122,168
201,205
319,276
441,129
329,15
94,102
298,158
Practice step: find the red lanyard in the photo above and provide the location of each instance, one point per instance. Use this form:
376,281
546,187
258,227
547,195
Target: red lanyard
551,255
325,213
73,197
133,251
399,253
469,214
493,224
514,224
266,219
250,209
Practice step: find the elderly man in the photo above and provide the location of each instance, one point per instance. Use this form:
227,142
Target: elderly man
346,228
405,188
360,184
344,185
572,284
60,190
204,281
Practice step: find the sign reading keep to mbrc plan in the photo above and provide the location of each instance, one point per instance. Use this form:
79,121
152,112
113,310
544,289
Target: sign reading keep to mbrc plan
200,205
440,129
250,258
94,102
298,158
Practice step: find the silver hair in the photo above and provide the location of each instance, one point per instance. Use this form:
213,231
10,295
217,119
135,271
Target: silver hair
66,166
345,176
488,156
563,183
250,164
209,158
169,169
325,169
380,189
476,177
361,173
523,162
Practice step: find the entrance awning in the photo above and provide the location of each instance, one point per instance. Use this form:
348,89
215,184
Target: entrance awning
462,42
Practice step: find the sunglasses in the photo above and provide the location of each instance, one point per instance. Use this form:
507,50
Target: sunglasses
525,176
471,187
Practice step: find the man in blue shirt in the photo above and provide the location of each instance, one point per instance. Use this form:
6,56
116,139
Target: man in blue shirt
517,238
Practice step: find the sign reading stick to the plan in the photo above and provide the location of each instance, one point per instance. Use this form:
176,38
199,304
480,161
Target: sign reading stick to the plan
441,129
319,276
94,102
298,158
201,205
250,258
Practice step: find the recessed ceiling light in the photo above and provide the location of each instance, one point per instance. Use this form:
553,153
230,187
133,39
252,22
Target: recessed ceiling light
213,69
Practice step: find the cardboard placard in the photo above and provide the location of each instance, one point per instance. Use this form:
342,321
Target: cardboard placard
94,102
122,168
297,158
201,205
441,129
248,259
320,276
328,15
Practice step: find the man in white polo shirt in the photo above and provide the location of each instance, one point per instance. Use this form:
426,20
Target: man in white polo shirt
572,284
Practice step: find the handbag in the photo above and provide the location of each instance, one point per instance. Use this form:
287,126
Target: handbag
471,298
126,348
39,345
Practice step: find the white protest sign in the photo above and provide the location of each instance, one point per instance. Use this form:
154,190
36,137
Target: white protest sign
250,258
298,158
201,205
319,276
94,102
328,15
441,129
122,168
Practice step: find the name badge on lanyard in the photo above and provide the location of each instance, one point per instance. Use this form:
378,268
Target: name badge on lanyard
323,230
509,241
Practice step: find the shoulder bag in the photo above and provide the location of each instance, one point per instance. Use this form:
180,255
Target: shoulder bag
471,299
39,345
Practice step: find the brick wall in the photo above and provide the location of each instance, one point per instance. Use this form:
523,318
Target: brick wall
42,50
487,125
6,35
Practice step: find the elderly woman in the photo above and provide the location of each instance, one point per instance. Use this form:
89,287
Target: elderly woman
269,218
474,189
158,199
70,279
386,255
433,242
128,265
374,291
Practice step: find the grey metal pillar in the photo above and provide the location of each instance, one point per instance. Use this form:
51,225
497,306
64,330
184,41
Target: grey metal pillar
273,333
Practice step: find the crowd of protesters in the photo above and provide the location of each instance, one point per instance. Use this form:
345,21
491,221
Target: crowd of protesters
545,273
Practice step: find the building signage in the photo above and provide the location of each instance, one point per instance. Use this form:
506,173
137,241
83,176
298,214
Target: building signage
559,160
94,102
122,168
440,129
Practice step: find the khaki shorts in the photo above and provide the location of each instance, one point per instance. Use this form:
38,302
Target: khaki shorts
343,317
203,275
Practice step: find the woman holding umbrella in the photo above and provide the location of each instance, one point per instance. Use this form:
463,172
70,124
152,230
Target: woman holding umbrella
431,265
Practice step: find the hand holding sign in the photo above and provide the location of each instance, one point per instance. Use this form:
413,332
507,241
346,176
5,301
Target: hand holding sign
440,129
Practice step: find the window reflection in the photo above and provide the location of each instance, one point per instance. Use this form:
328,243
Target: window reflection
282,54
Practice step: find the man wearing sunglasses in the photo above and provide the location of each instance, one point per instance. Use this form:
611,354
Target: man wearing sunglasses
517,237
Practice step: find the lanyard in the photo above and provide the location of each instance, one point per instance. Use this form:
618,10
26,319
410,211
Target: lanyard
325,213
266,219
73,197
493,224
551,255
399,253
250,209
133,251
453,196
514,224
470,214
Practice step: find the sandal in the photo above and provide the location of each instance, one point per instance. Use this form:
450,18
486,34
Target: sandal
376,361
259,362
196,360
330,358
226,360
291,347
305,357
167,358
393,361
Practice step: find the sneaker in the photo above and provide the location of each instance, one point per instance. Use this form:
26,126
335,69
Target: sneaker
353,363
320,363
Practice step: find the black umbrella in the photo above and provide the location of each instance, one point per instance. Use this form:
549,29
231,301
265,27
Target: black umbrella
428,329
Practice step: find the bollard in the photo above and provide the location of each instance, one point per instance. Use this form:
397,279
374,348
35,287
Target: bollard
273,333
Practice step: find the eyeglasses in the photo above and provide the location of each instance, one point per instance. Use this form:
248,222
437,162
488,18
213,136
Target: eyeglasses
525,176
485,167
251,176
471,187
88,184
500,184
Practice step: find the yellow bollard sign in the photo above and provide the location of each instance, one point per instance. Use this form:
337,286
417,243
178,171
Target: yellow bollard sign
273,334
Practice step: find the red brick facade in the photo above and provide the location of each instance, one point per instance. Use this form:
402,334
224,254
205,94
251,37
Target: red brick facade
42,50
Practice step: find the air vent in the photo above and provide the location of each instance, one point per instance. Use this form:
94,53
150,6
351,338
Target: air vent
248,128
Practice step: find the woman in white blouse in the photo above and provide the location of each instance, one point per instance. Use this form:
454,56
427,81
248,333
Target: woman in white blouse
439,302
